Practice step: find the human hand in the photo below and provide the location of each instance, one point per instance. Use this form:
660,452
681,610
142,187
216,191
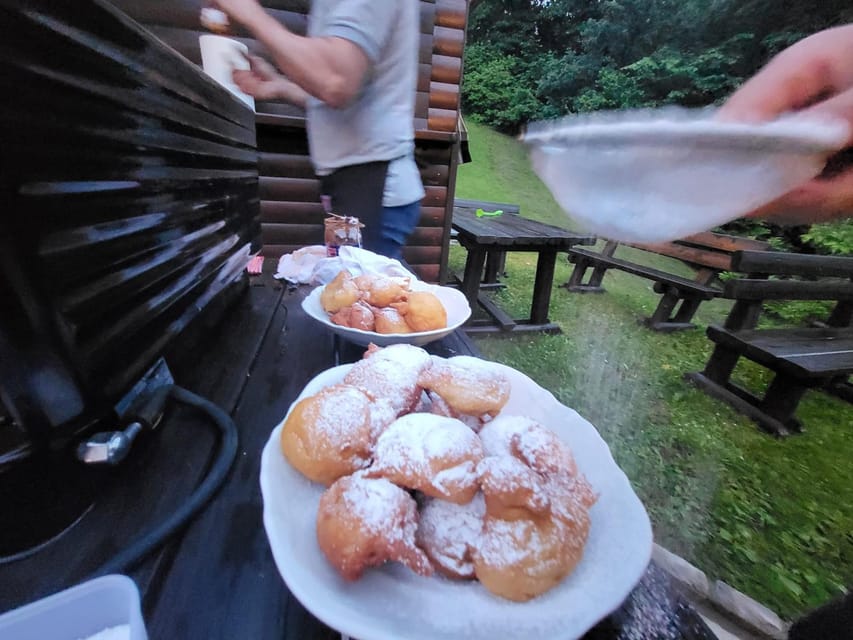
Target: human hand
815,77
261,80
245,12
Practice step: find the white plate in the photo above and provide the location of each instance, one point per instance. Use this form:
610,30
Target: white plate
455,303
392,603
658,175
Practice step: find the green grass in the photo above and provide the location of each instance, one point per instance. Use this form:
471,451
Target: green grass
771,517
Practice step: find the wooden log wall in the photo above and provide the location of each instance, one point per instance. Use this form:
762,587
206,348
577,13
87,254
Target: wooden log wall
291,214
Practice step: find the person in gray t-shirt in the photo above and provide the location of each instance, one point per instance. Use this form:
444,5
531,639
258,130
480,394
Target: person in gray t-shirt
356,74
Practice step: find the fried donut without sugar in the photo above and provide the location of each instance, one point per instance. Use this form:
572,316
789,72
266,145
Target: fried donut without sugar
356,316
388,320
468,386
363,522
422,311
339,293
448,533
390,374
329,434
381,291
432,454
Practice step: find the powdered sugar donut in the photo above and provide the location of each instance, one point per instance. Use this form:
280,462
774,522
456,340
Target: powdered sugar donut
474,389
390,374
329,434
363,522
521,559
433,454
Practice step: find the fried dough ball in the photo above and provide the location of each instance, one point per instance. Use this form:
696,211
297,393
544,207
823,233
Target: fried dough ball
363,522
381,291
390,374
382,414
389,320
329,434
339,293
540,450
449,532
512,490
422,311
356,316
538,446
521,559
468,385
432,454
436,404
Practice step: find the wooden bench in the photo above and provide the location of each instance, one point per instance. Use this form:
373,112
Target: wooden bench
708,253
800,357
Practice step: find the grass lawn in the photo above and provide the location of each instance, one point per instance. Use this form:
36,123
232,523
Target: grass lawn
773,518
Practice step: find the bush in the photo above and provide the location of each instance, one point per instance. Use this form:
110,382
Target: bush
496,91
832,237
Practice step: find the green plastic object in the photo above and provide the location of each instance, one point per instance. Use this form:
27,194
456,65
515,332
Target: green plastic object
491,214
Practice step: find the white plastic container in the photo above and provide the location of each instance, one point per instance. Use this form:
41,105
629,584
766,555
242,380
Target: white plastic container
78,613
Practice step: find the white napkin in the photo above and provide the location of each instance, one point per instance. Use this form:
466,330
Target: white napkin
310,265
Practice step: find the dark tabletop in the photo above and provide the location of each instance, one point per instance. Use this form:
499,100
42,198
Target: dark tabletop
512,229
217,579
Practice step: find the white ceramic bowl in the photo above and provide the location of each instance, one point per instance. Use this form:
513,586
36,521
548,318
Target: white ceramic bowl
659,175
455,303
392,603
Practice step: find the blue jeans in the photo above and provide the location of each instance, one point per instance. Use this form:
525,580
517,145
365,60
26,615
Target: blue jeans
397,225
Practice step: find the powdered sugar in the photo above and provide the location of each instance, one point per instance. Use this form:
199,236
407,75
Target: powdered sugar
497,434
376,502
460,475
448,532
119,632
340,416
506,543
415,440
404,355
391,374
382,414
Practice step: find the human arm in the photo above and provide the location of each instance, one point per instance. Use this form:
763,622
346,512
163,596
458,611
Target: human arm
332,69
813,76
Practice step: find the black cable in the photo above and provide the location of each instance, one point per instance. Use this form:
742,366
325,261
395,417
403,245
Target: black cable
154,537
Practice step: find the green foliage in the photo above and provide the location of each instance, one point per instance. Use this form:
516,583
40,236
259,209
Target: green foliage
833,237
547,59
798,312
496,91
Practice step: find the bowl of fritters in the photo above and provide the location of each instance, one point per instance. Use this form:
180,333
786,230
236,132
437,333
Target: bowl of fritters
387,310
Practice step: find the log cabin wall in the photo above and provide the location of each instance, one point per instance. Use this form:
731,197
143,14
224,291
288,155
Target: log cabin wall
291,214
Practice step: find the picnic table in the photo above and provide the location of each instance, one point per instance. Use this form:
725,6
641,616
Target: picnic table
216,578
485,236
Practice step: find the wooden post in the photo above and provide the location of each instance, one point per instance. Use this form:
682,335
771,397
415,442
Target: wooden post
781,400
473,272
542,286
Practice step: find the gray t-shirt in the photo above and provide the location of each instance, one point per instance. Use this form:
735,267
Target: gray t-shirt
377,124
